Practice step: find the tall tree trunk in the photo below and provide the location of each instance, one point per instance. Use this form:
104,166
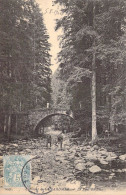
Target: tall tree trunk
20,106
112,113
5,124
16,125
94,129
9,126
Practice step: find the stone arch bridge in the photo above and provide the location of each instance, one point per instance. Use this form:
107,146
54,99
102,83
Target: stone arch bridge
21,122
36,117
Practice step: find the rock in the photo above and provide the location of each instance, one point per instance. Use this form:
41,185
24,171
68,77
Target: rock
71,156
77,154
58,158
88,147
92,149
103,162
73,151
103,152
79,161
95,169
96,147
102,149
119,171
82,147
83,154
80,166
16,145
21,152
101,156
109,158
83,187
120,145
66,147
123,170
72,148
78,149
122,157
1,145
28,150
111,175
89,164
105,170
59,153
91,156
113,155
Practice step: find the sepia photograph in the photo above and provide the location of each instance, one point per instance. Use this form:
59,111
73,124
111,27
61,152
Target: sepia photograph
62,97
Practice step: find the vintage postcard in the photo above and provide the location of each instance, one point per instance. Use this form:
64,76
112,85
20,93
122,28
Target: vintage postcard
62,97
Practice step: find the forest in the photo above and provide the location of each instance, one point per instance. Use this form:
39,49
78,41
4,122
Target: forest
68,128
24,56
92,71
25,74
90,79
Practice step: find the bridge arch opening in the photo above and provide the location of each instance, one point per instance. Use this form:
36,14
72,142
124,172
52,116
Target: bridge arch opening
43,120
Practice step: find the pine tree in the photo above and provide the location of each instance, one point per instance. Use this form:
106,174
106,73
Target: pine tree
41,82
24,57
90,43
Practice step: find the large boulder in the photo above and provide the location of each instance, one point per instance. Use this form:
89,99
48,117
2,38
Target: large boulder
111,156
91,156
103,162
95,169
80,166
123,170
122,157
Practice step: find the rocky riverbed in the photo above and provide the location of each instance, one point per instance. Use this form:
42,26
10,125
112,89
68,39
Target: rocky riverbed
75,167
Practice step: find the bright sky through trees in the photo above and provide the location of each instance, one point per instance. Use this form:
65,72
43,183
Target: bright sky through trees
50,13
